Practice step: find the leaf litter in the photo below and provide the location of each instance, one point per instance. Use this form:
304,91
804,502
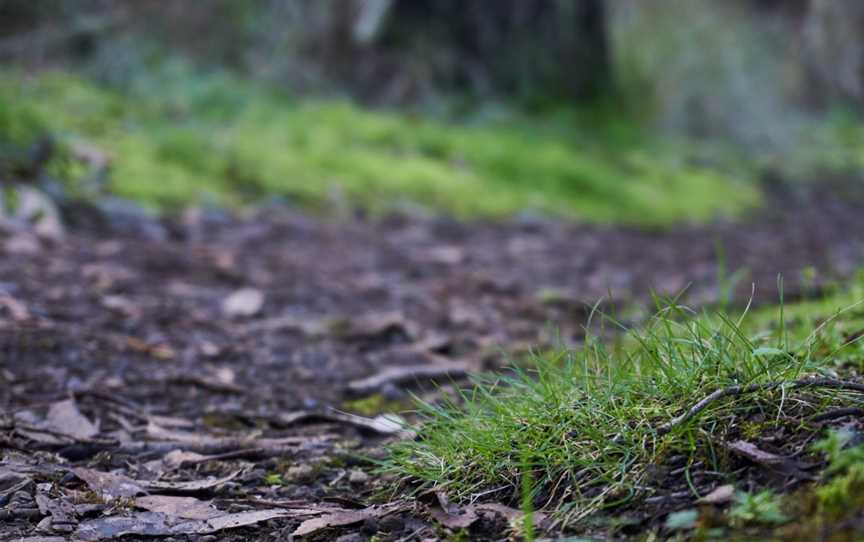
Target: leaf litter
202,393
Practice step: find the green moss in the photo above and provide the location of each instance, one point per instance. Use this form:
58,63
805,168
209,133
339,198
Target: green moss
841,494
374,405
763,507
191,135
274,479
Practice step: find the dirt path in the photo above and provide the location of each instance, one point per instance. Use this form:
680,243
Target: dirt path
235,339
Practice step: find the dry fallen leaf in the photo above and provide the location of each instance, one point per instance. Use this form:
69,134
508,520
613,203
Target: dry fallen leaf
190,486
402,374
64,417
720,495
458,520
160,524
178,458
342,518
109,486
385,424
36,208
181,507
240,519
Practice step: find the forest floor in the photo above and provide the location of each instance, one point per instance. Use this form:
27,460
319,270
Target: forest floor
176,378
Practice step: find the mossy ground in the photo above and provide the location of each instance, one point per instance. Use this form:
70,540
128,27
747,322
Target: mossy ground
180,136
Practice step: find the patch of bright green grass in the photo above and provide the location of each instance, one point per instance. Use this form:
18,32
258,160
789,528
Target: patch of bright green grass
588,424
180,135
833,325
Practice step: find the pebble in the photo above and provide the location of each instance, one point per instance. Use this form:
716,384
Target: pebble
300,472
358,477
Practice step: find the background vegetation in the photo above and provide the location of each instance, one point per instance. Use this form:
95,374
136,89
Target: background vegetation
604,111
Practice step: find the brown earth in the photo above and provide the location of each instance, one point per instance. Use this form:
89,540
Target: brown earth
244,339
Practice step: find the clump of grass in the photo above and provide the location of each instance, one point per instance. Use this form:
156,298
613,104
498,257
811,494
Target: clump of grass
589,424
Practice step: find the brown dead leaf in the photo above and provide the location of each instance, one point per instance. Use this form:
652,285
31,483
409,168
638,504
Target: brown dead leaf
190,486
21,244
158,432
109,486
721,495
61,510
178,458
36,208
140,524
460,519
160,524
64,417
181,507
168,440
385,424
402,374
342,518
171,421
241,519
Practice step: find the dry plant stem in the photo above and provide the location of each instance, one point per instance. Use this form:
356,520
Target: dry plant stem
734,391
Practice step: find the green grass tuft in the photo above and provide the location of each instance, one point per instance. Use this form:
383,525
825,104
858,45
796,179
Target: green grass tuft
587,422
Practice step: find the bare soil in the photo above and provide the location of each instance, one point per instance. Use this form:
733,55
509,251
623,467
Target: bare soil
243,339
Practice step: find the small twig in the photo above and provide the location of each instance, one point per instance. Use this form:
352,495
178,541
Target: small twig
735,391
837,413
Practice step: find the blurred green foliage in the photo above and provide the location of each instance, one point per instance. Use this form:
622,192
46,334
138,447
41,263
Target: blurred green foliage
176,135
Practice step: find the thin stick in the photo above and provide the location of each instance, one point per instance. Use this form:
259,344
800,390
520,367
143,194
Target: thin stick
735,391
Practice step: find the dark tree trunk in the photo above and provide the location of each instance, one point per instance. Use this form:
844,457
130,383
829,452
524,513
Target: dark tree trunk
508,46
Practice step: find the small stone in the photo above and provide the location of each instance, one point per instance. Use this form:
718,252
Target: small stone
126,217
391,392
358,477
392,523
23,245
244,302
721,495
300,473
